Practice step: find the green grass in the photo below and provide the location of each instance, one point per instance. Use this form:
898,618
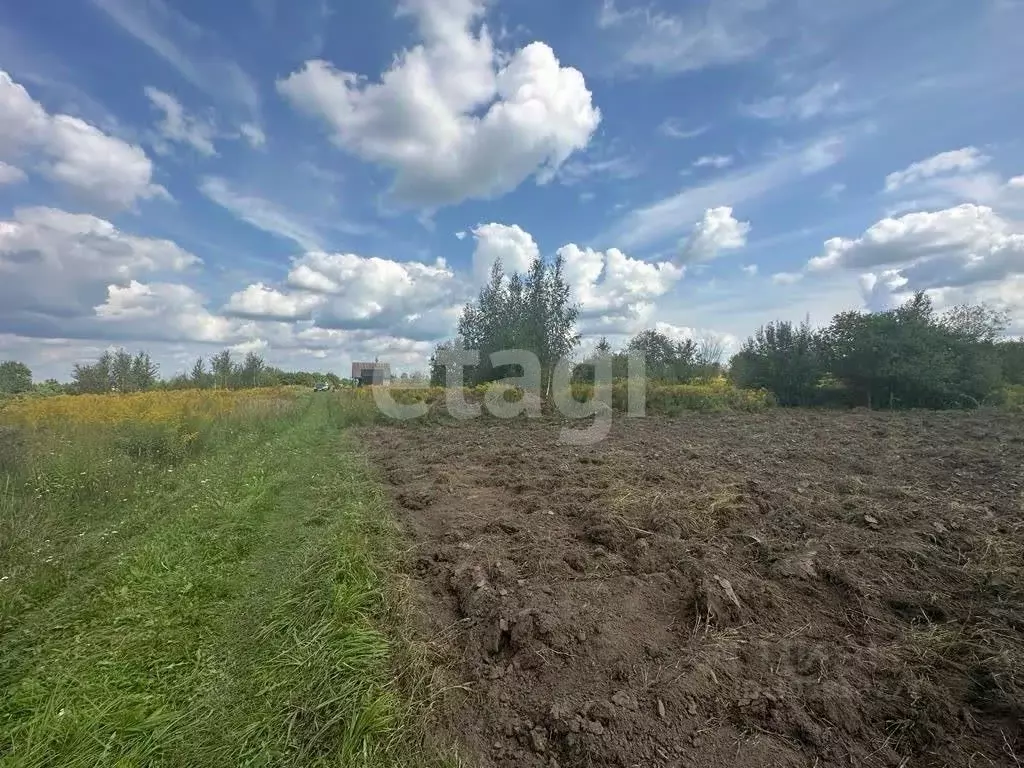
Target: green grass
227,608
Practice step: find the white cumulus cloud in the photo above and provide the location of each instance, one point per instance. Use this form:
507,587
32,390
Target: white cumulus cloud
452,117
965,253
513,245
717,231
336,292
264,302
617,293
161,311
56,267
101,168
975,237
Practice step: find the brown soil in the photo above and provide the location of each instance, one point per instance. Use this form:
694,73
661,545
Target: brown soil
793,588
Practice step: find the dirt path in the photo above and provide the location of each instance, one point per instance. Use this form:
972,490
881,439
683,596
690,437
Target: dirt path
789,589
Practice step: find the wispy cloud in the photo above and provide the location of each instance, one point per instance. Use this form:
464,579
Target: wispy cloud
177,125
954,161
713,161
834,190
714,33
817,100
262,213
675,128
185,46
615,167
672,215
310,231
787,278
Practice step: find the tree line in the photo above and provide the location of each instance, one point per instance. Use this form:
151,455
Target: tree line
908,357
120,371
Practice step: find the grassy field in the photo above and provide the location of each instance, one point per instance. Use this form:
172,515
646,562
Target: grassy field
197,581
217,578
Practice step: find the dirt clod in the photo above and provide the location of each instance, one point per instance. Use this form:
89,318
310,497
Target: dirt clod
792,588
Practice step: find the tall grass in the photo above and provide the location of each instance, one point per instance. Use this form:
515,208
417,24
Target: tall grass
668,399
217,600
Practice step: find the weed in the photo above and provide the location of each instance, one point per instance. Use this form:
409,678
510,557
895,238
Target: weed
163,603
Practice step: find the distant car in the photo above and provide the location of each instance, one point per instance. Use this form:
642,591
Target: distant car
323,386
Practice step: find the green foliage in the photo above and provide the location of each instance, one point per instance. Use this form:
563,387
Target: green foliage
911,358
713,395
233,608
782,358
116,371
15,377
198,376
49,388
222,367
120,372
534,313
1013,398
12,448
1011,357
908,357
664,359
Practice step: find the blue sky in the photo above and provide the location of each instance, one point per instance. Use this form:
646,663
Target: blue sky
322,181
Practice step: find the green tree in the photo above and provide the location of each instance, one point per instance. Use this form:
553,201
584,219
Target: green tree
584,371
1011,358
782,358
707,358
437,358
198,377
665,359
49,387
15,377
121,371
535,312
95,378
222,367
252,370
909,357
143,372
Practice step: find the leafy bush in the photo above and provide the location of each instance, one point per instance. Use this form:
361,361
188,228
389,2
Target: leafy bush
908,357
1013,398
15,377
783,358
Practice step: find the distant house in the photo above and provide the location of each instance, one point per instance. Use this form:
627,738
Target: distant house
371,373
